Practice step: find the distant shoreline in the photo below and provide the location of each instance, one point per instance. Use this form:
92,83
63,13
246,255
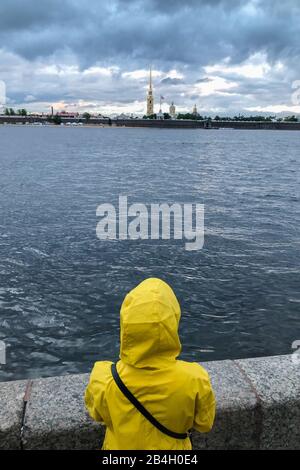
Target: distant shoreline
148,123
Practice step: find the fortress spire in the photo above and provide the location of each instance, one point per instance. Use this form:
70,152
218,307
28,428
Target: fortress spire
150,100
150,78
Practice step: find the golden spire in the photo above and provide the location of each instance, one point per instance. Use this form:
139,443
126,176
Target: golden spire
150,99
150,79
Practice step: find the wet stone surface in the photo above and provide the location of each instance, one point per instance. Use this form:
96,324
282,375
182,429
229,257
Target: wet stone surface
56,417
235,425
277,382
11,406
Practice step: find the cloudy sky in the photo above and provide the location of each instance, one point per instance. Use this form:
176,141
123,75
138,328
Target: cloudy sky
227,56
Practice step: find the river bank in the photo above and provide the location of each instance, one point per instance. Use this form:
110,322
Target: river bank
155,123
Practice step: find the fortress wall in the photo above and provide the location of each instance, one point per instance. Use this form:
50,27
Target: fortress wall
163,124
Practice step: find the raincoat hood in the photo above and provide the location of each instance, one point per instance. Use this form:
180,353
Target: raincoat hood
150,317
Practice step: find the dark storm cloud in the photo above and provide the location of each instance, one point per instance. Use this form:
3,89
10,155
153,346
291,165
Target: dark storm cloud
17,15
193,31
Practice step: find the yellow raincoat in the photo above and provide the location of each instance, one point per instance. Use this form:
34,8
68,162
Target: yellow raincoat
177,393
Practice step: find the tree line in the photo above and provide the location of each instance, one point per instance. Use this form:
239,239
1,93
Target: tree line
12,112
198,117
56,119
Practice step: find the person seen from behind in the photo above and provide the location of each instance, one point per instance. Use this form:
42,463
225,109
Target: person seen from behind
149,399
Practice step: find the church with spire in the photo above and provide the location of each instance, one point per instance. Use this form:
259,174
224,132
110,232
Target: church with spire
150,98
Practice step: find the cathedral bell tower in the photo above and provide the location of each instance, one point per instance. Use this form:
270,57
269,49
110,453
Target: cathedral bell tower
150,100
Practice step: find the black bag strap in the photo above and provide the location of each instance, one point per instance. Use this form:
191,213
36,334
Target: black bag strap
142,409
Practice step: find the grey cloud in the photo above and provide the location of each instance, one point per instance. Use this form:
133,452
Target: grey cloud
171,81
204,80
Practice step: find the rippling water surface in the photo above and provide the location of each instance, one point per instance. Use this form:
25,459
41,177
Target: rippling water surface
61,288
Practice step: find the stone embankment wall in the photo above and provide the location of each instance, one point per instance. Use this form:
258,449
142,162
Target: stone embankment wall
258,407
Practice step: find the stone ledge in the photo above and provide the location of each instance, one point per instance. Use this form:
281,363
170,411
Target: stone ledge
235,425
11,409
258,407
56,417
277,383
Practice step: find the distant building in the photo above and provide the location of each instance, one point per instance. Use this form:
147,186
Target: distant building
172,111
122,116
66,114
195,111
150,99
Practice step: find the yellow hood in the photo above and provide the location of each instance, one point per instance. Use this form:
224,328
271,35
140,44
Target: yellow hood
150,317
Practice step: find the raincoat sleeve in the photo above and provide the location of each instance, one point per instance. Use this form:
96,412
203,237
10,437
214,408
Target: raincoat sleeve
205,405
95,401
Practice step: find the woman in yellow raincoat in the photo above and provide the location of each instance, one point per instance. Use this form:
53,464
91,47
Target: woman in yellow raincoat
176,393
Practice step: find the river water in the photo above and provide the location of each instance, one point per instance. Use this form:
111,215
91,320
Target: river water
61,287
